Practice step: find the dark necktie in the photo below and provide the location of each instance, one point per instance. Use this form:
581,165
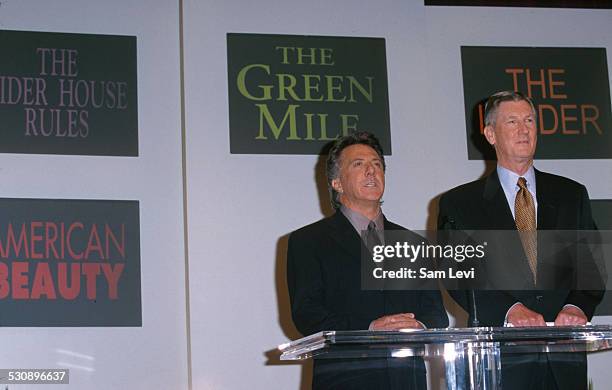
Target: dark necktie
371,237
524,215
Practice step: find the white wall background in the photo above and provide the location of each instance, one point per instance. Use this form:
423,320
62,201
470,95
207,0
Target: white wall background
241,207
154,356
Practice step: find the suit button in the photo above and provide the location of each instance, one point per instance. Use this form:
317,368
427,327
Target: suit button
539,297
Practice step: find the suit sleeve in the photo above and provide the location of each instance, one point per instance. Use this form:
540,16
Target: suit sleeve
588,263
431,310
310,306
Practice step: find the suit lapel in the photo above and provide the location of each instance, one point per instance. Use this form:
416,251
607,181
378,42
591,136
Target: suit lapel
500,218
345,235
496,205
547,220
547,210
348,241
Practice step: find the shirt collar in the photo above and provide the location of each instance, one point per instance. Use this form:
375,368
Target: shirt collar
508,179
360,222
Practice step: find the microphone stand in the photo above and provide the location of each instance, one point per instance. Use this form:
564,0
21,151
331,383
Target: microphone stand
450,224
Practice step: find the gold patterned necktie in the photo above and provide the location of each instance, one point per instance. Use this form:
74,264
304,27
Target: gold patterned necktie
524,215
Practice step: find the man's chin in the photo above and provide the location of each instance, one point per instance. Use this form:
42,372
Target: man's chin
373,196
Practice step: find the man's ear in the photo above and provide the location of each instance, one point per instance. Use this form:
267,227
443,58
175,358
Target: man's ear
337,185
489,134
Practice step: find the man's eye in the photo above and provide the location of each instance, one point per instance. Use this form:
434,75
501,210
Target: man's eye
357,163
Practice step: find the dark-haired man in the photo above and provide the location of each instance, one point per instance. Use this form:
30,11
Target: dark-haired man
517,197
324,277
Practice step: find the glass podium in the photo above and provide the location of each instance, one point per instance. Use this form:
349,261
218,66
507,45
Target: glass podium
472,356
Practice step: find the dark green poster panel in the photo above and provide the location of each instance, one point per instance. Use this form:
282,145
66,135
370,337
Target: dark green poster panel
69,263
292,94
68,94
569,87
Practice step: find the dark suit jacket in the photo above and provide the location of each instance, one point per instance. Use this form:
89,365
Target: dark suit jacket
324,280
563,204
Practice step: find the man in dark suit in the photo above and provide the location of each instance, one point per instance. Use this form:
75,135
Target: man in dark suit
324,274
520,199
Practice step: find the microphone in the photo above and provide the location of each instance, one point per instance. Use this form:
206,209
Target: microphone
472,303
449,223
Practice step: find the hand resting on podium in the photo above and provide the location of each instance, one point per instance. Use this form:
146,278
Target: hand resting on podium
396,322
520,315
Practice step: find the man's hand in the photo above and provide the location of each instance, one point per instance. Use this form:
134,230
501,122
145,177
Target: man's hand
570,315
520,315
396,322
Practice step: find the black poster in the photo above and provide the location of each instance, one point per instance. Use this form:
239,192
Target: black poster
569,87
69,263
602,214
68,94
291,94
524,3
